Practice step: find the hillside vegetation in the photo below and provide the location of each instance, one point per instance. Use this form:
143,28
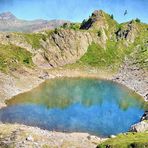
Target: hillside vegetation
13,57
97,42
127,140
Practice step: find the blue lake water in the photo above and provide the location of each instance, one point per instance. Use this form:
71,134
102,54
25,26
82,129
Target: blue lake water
93,106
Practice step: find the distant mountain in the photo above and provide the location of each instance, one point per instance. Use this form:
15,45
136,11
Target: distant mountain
9,23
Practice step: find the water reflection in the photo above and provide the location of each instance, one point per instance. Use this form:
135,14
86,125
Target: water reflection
81,105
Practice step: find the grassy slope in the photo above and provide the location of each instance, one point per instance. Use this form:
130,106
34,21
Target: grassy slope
129,140
115,52
109,58
141,55
34,39
12,57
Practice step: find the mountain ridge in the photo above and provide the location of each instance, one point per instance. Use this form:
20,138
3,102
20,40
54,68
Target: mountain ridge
7,16
10,23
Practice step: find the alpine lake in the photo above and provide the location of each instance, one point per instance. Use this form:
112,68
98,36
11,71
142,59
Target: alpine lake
89,105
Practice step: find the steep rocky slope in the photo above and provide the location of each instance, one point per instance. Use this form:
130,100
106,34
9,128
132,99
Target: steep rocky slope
9,23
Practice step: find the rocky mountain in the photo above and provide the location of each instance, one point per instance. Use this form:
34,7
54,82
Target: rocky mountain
9,23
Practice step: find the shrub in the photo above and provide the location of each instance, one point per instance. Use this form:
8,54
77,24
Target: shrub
99,33
83,22
130,140
56,30
112,16
137,20
74,26
65,25
26,61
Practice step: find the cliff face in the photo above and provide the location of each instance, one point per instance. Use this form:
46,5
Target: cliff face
56,49
128,31
65,46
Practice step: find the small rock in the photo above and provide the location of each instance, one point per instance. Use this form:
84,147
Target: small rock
112,136
8,36
125,133
23,142
145,116
35,143
89,137
29,138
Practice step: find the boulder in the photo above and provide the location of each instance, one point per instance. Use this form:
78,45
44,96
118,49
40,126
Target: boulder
30,138
139,127
145,116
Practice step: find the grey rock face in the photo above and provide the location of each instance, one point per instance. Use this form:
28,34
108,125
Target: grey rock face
140,127
129,32
97,21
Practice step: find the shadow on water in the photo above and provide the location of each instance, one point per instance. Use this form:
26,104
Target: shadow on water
93,106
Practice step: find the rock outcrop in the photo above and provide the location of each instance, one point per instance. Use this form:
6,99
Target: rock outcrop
96,21
60,48
128,32
66,46
140,127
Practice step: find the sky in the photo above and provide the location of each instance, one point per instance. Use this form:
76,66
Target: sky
75,10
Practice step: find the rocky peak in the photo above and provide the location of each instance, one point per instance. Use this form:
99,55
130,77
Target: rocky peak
98,14
96,21
128,31
7,16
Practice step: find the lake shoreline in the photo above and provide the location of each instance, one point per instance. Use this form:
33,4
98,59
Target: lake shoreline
34,136
40,77
51,74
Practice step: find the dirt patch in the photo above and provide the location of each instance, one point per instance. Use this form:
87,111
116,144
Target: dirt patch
25,136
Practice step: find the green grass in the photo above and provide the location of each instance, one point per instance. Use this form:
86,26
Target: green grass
130,140
140,56
34,39
12,57
74,26
145,121
110,57
114,54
